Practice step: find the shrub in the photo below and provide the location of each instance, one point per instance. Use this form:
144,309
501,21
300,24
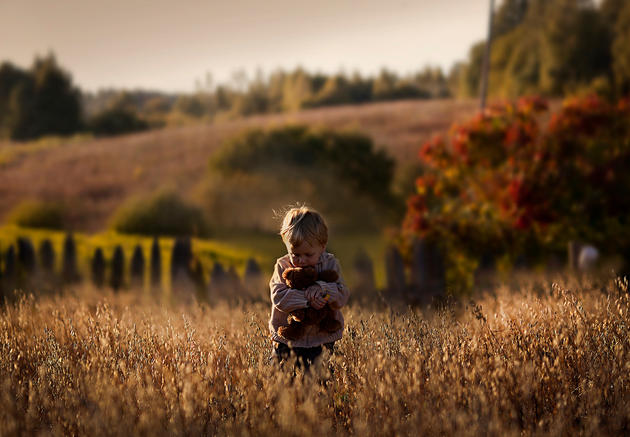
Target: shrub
116,121
350,156
501,186
164,213
339,173
38,214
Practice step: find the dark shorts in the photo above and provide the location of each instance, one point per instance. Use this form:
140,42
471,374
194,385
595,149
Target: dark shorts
304,355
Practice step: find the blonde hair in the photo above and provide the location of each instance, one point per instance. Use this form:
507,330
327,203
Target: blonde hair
303,224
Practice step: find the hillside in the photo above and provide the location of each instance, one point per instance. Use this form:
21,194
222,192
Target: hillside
93,176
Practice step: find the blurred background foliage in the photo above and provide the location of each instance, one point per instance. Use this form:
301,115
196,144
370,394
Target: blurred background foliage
41,101
549,48
162,213
554,48
340,173
504,188
38,214
118,117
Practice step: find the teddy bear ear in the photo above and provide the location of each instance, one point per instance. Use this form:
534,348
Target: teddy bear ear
312,275
288,275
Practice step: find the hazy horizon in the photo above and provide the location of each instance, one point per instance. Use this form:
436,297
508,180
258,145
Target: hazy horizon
168,47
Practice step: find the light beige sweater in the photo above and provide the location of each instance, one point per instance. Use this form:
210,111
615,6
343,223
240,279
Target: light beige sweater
285,299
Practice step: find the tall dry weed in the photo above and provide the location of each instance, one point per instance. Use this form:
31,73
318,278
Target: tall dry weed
544,359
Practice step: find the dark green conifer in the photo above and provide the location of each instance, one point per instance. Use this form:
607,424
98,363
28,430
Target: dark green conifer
69,272
47,256
181,260
26,256
98,268
118,269
156,263
137,267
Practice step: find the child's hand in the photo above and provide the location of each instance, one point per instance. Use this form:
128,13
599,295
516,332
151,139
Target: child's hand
314,297
318,302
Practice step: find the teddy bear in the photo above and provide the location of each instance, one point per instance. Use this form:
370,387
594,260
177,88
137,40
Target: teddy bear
301,278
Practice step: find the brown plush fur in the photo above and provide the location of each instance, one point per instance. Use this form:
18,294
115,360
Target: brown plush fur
301,278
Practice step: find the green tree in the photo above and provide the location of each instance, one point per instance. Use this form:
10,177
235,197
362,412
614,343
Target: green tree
516,63
21,118
472,74
335,91
190,105
384,84
621,51
575,43
57,102
508,16
38,102
297,90
10,78
256,99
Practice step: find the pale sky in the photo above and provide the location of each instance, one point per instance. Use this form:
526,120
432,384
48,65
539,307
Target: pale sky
168,45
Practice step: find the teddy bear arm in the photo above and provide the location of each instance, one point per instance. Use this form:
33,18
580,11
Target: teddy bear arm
328,276
298,315
293,331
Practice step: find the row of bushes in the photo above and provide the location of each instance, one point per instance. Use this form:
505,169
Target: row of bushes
23,267
163,213
42,100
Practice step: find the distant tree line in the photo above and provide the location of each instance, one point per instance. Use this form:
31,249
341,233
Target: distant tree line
277,92
42,101
553,48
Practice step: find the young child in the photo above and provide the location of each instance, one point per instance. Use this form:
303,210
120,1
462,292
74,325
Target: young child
305,235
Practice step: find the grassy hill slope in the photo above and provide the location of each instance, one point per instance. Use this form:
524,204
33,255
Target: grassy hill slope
94,176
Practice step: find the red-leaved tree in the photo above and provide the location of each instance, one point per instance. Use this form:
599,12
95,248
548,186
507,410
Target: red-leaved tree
502,187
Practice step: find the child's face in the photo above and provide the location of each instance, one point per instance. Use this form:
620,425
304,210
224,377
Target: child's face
305,254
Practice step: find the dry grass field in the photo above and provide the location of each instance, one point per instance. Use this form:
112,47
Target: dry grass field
527,359
94,176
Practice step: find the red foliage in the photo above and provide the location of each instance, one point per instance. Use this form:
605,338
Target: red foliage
571,174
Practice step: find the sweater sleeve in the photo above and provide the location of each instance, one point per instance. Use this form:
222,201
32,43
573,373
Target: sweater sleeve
282,297
337,291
